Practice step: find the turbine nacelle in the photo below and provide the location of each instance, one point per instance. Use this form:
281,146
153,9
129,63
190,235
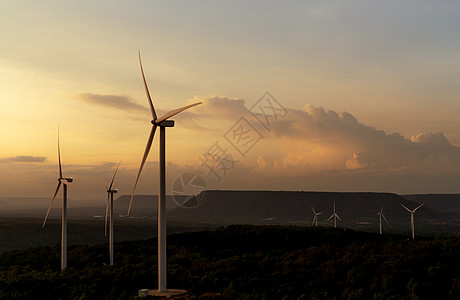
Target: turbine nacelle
66,180
112,191
165,123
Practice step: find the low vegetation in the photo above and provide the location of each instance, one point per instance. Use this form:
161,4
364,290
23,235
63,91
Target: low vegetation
245,262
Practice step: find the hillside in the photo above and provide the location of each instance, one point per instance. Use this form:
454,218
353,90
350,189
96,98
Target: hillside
143,204
448,203
295,206
357,211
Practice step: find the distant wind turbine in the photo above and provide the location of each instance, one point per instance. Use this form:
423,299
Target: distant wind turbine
335,216
380,214
412,218
161,122
315,218
109,212
65,182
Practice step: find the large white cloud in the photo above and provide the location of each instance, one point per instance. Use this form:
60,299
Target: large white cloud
309,149
364,146
315,148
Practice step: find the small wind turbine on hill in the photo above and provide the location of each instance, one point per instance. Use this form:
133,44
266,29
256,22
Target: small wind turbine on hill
412,225
335,216
109,212
65,182
380,214
161,122
315,218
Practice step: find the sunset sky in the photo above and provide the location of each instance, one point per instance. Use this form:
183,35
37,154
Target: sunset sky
367,94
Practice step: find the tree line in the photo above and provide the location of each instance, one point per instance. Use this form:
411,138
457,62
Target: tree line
245,262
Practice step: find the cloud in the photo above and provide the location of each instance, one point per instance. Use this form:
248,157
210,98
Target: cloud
23,159
309,149
104,166
265,162
431,139
353,145
222,106
318,149
358,161
215,113
318,140
117,102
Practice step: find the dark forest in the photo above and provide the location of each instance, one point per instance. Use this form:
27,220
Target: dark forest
246,262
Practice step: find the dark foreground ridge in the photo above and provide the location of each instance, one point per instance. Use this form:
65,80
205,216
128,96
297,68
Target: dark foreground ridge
246,262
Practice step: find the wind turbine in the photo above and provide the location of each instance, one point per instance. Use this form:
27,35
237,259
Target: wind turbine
335,216
315,218
412,218
380,214
65,182
109,212
161,122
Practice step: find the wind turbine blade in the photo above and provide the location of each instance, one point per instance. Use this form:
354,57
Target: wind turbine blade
175,112
338,217
113,178
406,208
152,109
385,219
313,210
330,218
319,213
146,153
59,157
103,185
106,212
314,218
381,209
418,207
51,203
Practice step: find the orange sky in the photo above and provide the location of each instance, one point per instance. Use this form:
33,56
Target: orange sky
369,89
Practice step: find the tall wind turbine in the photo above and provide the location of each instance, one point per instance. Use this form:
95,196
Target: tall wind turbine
315,218
109,212
161,122
412,218
65,182
380,214
335,216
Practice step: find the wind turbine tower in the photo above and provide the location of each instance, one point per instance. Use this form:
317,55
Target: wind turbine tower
335,216
65,181
109,212
315,218
412,218
380,214
161,122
